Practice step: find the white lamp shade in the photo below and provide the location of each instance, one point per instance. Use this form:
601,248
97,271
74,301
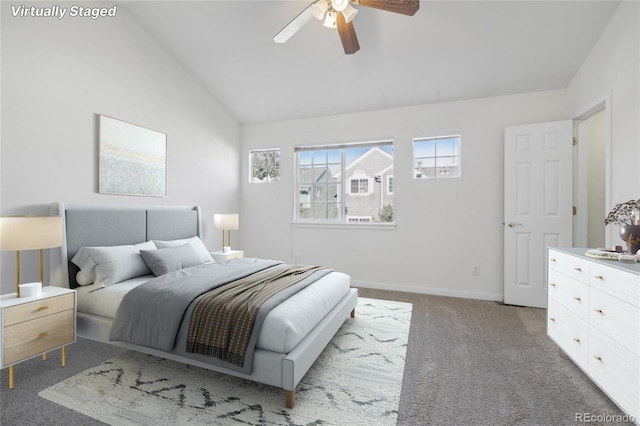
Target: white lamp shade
339,5
319,8
226,222
330,20
30,232
349,13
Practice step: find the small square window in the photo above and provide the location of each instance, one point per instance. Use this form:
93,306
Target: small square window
264,165
436,157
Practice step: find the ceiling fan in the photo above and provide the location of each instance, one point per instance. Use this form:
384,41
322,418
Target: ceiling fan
339,14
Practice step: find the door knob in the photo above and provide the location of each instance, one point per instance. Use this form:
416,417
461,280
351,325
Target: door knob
511,224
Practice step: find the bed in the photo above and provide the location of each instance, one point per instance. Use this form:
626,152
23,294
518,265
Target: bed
293,333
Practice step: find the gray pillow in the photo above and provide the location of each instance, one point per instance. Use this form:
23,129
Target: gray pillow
196,242
165,260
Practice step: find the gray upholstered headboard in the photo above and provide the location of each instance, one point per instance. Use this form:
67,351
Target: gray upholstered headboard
87,225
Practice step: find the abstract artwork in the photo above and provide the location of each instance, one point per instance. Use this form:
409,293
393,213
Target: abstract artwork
133,159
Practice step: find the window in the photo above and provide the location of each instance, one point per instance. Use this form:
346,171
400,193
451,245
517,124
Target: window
344,183
359,183
437,157
264,165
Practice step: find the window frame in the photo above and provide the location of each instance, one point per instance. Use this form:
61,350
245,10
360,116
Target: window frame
456,158
344,184
251,158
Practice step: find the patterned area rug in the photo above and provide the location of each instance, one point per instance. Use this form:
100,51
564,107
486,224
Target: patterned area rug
356,381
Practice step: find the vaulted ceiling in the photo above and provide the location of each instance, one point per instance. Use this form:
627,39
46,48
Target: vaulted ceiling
450,50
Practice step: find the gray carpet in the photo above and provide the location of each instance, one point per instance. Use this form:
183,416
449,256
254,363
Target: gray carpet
468,362
357,377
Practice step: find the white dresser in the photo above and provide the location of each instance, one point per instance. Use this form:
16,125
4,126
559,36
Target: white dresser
593,315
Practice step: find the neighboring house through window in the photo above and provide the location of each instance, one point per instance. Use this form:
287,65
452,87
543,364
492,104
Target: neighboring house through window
264,165
347,183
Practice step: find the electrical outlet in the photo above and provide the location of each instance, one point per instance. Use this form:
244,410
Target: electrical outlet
476,270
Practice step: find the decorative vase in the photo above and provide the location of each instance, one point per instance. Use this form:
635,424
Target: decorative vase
630,234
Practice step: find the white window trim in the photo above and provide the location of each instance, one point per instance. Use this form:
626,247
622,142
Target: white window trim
251,152
350,217
343,223
459,156
358,177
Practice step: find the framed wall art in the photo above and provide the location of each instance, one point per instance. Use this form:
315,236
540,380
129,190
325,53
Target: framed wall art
133,159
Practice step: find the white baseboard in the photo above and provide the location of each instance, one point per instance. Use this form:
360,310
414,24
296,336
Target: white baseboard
429,290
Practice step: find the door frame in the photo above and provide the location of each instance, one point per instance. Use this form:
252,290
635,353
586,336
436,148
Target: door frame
580,169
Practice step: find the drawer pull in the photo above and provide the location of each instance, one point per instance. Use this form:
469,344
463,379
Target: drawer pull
600,277
598,310
577,268
42,308
597,358
575,339
577,298
45,334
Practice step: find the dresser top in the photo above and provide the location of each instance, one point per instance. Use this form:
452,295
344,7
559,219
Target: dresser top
632,267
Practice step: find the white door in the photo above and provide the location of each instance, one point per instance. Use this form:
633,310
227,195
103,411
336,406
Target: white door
537,206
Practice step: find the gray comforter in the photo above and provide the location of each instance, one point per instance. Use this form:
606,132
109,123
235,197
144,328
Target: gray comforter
152,313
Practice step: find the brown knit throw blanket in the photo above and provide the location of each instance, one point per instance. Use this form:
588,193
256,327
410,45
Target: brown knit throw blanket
222,320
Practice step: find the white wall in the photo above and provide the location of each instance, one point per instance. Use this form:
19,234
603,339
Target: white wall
612,70
444,227
57,75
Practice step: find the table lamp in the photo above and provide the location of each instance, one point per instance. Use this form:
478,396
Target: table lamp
18,233
226,222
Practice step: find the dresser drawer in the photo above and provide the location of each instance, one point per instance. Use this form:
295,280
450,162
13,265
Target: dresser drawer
617,319
571,293
572,266
38,309
616,282
29,338
616,370
569,332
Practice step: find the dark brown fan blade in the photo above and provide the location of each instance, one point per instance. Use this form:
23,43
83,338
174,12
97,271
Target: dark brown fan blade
347,35
406,7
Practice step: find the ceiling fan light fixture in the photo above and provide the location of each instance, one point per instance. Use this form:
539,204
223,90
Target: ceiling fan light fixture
349,13
339,5
330,20
319,8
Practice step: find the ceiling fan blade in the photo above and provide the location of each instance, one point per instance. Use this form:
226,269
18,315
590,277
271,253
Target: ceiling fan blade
294,26
347,35
406,7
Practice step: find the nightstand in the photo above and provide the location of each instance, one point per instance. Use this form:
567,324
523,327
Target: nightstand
231,254
34,325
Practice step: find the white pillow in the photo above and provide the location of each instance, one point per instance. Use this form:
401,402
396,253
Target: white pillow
110,265
83,279
194,241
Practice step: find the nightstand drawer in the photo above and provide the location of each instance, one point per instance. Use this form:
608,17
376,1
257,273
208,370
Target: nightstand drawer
220,256
38,309
30,338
